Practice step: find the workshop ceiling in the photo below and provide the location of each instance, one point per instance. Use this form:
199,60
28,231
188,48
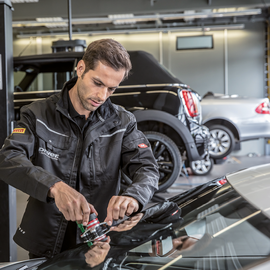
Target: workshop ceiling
91,17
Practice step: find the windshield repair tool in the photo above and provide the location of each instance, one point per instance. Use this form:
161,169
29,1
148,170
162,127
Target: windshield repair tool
94,230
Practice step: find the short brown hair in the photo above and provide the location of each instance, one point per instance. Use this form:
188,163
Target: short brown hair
109,52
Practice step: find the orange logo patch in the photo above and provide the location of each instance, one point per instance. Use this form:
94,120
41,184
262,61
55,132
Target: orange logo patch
142,145
19,130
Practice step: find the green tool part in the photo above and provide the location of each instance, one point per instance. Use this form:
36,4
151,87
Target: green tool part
83,230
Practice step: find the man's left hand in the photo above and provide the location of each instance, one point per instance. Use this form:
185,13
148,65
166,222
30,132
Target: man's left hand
128,224
119,206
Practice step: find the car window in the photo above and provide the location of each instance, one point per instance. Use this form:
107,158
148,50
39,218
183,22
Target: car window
27,81
18,76
43,81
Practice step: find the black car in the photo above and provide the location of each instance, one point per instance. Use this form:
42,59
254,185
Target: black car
167,111
221,225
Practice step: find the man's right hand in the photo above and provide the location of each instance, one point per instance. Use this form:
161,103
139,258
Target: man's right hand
71,203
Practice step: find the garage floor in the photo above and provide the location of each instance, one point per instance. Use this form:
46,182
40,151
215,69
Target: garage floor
233,163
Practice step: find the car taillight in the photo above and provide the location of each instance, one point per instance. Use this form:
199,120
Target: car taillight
222,181
263,108
190,103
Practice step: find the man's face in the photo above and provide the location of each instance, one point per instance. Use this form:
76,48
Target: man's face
95,86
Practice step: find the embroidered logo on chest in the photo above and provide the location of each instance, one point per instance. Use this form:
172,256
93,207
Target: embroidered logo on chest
48,153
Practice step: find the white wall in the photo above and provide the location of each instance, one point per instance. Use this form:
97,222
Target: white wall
203,70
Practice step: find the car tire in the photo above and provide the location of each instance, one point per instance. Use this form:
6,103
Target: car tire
222,141
167,156
201,167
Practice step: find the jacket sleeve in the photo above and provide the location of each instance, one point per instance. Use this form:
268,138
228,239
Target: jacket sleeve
16,168
139,164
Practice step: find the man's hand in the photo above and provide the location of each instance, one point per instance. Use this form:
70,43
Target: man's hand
97,253
71,203
119,206
128,224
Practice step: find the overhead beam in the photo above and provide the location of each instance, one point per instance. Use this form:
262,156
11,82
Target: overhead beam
93,8
136,31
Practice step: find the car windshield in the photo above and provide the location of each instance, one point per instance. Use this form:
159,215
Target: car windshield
222,231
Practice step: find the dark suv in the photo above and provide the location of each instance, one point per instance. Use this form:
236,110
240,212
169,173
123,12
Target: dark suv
167,111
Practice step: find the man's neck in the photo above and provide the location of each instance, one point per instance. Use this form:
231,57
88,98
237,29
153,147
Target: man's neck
76,102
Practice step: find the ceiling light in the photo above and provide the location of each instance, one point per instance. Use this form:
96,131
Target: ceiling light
50,19
200,15
118,19
243,12
189,18
51,22
23,1
56,25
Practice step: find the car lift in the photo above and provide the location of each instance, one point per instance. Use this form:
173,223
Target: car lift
7,193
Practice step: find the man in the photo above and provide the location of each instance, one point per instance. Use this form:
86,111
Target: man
67,152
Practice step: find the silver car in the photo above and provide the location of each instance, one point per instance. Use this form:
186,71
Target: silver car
233,119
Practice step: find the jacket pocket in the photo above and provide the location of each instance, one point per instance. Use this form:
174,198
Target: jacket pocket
110,159
55,151
53,137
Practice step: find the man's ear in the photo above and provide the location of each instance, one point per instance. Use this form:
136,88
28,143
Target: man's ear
80,68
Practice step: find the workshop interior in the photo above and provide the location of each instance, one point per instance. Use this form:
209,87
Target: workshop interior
199,90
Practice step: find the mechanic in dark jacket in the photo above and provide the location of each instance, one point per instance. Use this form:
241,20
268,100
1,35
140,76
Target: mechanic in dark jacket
67,152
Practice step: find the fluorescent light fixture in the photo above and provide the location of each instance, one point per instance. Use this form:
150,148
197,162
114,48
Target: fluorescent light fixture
52,22
137,31
50,19
191,18
243,12
56,25
118,19
200,15
23,1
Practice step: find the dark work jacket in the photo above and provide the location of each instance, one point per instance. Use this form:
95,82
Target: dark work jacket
47,147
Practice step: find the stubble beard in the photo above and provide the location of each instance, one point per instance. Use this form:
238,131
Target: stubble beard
85,104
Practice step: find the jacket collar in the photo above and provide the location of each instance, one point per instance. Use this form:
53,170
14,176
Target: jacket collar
105,111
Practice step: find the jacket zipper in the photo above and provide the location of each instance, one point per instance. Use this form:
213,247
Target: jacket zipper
91,156
62,219
93,127
73,164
